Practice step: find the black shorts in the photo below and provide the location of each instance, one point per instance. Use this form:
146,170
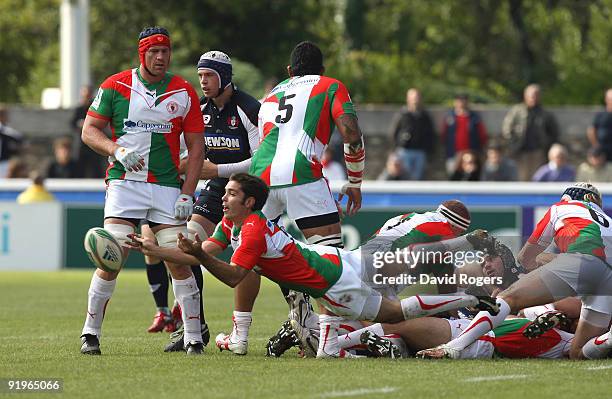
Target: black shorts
209,204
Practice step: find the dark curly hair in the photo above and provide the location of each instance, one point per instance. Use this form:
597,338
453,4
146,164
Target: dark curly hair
252,186
306,59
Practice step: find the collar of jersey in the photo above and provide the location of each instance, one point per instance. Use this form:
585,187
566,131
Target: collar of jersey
151,86
156,96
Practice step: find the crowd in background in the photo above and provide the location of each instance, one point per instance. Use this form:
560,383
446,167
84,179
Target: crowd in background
528,148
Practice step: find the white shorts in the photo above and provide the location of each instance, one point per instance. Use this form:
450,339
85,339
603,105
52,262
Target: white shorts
141,200
349,296
301,201
480,349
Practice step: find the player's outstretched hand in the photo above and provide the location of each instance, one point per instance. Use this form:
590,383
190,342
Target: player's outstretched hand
353,203
190,247
130,159
142,244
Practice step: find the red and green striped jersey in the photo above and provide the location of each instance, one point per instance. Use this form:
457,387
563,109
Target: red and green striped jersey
295,124
148,118
576,227
509,341
260,245
415,228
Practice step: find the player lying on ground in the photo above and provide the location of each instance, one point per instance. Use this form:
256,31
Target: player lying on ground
433,233
330,275
514,338
498,265
506,340
582,233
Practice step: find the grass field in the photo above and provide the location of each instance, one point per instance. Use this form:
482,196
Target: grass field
42,314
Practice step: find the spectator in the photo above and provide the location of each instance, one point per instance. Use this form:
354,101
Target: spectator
394,169
467,167
90,163
595,169
530,131
497,167
600,133
332,170
16,169
413,134
557,168
63,166
36,192
10,142
462,130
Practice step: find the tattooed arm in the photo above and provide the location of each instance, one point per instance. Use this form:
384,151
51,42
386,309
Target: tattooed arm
354,157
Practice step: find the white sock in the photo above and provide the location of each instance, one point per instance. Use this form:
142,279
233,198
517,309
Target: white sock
242,323
419,306
99,294
188,296
328,339
480,325
598,347
348,326
351,339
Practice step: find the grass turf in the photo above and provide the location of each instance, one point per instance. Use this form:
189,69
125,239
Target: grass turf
42,316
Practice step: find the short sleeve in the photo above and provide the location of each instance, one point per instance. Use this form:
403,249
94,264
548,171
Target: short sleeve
193,121
252,246
102,105
221,235
340,100
544,232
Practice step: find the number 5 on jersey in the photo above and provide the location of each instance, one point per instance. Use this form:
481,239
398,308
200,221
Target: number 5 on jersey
283,106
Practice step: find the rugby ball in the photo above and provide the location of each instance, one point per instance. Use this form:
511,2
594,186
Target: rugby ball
103,250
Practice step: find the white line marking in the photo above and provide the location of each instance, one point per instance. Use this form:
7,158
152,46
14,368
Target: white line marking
598,367
496,378
356,392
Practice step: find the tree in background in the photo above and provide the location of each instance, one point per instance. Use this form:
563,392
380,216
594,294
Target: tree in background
490,49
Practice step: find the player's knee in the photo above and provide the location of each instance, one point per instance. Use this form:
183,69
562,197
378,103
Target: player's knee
120,232
331,240
166,238
194,228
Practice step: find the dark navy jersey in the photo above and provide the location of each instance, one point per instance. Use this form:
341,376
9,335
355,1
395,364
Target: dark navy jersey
230,134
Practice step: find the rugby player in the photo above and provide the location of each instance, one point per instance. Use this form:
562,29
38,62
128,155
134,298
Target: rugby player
148,109
296,120
231,137
582,233
330,275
